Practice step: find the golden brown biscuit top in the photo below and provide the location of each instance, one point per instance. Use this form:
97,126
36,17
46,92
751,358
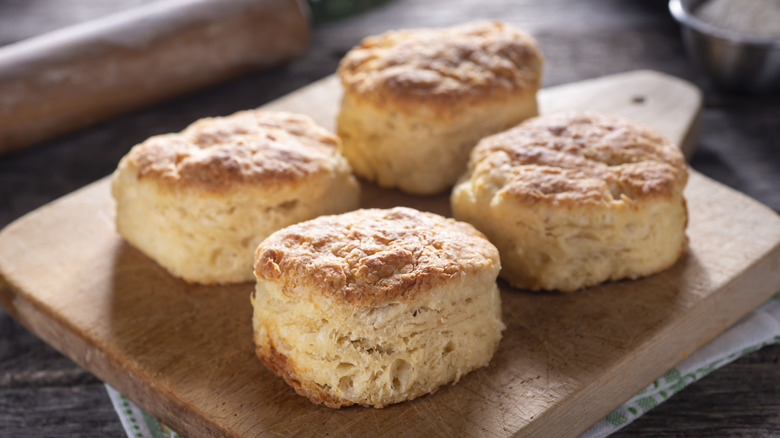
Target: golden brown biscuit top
455,65
256,146
371,256
579,157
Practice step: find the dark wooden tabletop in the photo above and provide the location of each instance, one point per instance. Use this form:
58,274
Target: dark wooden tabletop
43,393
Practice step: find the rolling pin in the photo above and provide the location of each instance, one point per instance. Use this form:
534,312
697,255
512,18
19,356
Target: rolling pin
67,79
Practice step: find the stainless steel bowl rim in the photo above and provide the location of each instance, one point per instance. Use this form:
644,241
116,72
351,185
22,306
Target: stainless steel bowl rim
683,16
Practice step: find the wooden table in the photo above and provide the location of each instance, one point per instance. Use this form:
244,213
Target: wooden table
44,394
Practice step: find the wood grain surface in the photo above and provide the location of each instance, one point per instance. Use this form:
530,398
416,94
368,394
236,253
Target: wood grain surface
44,394
184,352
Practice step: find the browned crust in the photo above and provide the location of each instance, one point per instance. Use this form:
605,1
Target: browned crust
278,364
249,147
580,157
367,257
439,72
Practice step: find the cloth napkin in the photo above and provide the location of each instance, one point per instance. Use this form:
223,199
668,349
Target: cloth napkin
758,329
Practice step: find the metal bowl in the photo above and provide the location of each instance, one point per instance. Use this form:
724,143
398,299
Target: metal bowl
734,62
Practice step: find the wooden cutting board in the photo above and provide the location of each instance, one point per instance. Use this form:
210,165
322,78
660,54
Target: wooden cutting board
184,353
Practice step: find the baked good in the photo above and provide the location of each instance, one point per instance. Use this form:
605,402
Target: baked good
375,306
416,101
575,199
200,201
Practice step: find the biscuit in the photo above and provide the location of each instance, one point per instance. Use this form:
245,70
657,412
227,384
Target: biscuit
375,307
416,101
575,199
200,201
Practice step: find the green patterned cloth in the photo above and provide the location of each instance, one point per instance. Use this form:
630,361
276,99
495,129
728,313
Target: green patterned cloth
137,423
759,329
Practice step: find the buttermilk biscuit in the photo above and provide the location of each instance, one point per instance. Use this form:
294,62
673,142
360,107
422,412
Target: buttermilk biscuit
375,307
200,201
416,101
575,199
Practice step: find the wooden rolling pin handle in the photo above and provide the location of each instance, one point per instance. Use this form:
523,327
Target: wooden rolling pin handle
68,79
